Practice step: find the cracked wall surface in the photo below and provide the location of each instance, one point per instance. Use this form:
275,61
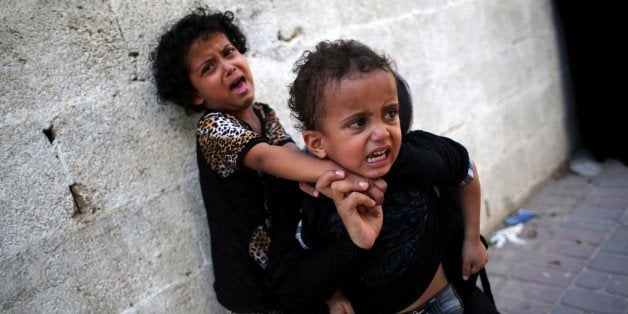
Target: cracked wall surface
100,205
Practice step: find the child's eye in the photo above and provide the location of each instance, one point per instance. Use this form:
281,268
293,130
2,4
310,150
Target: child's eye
357,123
391,114
207,68
229,51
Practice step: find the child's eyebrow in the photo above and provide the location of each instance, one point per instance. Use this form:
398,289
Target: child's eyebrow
227,46
354,115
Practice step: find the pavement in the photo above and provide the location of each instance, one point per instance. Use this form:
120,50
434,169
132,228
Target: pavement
574,258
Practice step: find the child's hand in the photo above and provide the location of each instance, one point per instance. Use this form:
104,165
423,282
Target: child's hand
474,257
324,183
373,188
376,187
338,304
308,188
360,214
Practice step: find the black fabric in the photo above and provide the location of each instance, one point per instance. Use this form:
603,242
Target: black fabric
473,299
305,277
235,207
239,281
405,103
394,272
285,255
431,159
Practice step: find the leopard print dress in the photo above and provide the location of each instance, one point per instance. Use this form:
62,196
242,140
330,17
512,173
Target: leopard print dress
222,138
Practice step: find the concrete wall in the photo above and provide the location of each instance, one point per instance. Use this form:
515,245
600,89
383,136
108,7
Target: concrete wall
99,198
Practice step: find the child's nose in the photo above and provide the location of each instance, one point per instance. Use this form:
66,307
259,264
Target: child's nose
380,131
228,68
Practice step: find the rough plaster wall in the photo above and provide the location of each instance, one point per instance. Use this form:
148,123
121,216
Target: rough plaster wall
99,198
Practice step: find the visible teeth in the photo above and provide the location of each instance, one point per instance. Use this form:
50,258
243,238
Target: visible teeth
376,156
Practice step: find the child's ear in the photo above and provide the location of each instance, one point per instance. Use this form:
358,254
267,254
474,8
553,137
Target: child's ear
314,143
197,100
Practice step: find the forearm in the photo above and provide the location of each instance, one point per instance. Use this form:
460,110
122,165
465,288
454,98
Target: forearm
287,162
470,201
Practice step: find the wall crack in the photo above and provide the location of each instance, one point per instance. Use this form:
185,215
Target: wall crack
83,204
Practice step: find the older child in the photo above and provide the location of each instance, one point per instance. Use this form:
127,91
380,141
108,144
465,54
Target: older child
384,259
241,148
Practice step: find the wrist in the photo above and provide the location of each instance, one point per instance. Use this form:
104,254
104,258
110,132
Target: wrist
472,236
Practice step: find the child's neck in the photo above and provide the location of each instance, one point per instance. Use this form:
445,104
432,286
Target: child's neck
248,115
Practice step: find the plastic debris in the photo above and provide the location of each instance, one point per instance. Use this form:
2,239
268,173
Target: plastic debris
585,166
521,216
509,234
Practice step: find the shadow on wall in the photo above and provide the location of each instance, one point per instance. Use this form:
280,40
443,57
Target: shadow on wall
596,53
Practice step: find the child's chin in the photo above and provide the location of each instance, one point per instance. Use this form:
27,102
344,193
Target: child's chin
377,173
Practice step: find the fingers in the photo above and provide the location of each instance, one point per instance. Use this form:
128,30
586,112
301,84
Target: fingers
474,257
380,184
373,211
376,192
328,177
308,188
349,203
348,186
466,270
363,226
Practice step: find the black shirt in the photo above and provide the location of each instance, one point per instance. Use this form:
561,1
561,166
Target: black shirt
404,259
239,203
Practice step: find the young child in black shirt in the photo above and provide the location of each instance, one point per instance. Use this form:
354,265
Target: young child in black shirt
388,258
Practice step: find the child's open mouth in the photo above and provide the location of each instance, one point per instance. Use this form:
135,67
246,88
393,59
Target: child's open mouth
239,86
377,155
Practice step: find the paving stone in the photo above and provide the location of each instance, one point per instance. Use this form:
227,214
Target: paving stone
624,218
551,203
544,226
618,285
507,304
592,279
509,252
612,263
589,211
580,236
575,259
531,291
594,301
497,282
563,309
498,269
594,225
543,275
617,242
605,197
568,247
615,174
558,261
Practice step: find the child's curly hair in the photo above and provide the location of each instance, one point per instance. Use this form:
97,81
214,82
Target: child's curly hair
169,57
327,65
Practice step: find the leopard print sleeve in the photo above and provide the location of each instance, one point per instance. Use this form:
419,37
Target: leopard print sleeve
222,140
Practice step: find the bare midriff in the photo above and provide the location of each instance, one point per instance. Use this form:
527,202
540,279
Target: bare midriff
438,283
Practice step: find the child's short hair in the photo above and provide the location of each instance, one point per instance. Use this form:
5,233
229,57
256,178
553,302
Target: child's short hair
327,65
169,57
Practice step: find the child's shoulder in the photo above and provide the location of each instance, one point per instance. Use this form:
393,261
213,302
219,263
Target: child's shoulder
212,122
420,138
